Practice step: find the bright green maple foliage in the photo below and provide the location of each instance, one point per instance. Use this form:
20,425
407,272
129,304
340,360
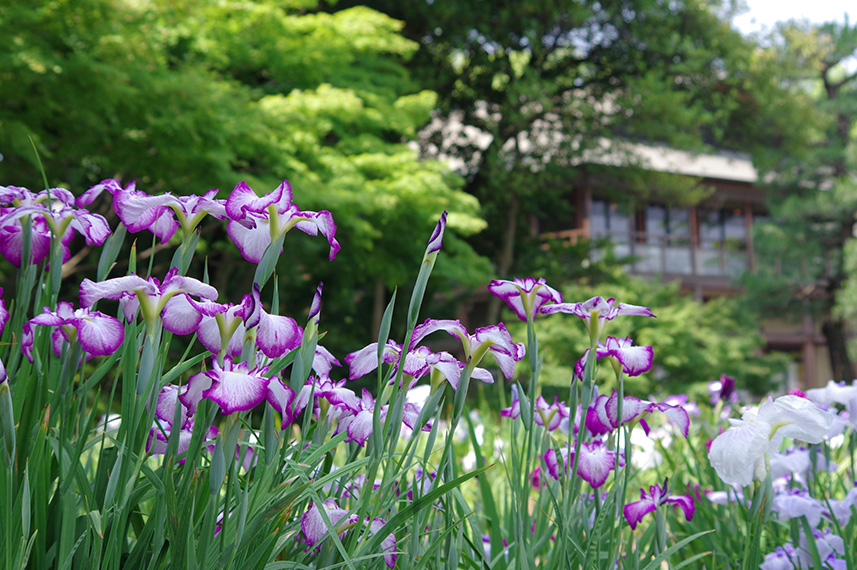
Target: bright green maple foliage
185,96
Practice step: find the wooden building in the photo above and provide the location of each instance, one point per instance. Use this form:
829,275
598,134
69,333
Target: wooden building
705,247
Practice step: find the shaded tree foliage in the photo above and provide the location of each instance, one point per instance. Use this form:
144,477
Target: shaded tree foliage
529,90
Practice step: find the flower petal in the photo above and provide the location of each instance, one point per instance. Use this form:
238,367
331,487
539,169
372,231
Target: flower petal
99,334
321,222
635,359
312,525
388,544
175,283
252,242
196,387
595,463
677,414
436,239
453,327
793,416
735,452
237,390
91,291
278,335
360,427
180,316
634,512
243,200
685,503
166,406
281,398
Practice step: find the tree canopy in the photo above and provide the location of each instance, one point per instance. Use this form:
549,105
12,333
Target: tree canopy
186,96
528,90
359,104
807,250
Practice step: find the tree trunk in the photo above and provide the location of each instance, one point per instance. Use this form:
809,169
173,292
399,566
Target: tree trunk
379,303
833,330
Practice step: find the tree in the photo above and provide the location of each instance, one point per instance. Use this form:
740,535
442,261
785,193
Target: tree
185,96
805,250
529,90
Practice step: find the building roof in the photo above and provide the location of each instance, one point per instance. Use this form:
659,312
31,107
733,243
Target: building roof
722,165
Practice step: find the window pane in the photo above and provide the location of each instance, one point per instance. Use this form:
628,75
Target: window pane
710,226
679,226
734,226
656,224
598,218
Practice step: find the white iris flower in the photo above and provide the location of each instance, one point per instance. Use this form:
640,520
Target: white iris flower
740,454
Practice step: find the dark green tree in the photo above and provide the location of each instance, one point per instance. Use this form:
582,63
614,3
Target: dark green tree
530,90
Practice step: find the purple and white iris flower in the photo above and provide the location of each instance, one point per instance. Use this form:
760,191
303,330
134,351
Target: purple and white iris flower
418,362
594,465
657,496
232,386
356,414
255,222
357,419
741,453
159,438
312,523
315,530
494,339
603,416
318,388
165,409
50,212
633,360
599,309
549,416
222,328
97,333
162,214
723,390
525,296
151,296
794,503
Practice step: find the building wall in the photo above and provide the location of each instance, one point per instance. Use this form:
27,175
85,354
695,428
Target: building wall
705,247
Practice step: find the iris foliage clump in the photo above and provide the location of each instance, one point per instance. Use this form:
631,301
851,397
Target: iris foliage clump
249,449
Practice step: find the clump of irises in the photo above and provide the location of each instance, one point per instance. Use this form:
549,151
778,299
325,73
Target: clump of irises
148,422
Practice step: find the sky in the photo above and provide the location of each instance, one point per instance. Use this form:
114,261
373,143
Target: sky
763,14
